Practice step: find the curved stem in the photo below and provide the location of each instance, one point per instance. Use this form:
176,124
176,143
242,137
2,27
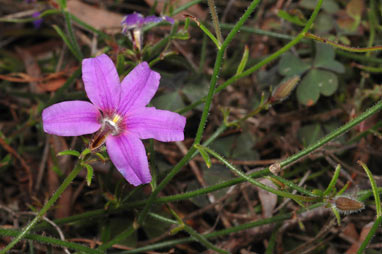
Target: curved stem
46,207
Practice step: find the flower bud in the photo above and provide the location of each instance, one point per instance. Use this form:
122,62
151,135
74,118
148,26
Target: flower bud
347,205
283,90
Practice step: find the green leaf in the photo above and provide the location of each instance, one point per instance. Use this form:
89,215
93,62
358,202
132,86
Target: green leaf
169,101
239,147
204,155
370,235
90,172
69,152
328,82
85,152
243,61
244,147
316,82
291,18
324,58
217,174
333,182
101,157
337,214
68,43
309,134
308,91
291,65
374,188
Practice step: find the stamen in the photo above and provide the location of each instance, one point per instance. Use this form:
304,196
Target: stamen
116,118
109,127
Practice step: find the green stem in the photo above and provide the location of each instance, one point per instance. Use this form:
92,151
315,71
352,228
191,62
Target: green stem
261,185
206,109
191,153
46,207
214,234
369,112
217,67
265,61
343,47
50,241
370,235
126,233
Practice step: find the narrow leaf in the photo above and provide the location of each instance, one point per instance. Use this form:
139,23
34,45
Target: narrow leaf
374,188
370,235
243,61
67,42
333,181
204,155
90,173
69,152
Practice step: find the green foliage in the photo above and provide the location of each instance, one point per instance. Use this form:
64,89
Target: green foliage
318,78
69,152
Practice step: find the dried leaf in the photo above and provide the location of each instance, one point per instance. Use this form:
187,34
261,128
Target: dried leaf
268,200
98,18
31,67
355,8
194,10
52,85
355,246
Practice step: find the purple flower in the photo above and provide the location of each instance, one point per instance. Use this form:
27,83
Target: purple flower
124,118
132,25
37,23
137,20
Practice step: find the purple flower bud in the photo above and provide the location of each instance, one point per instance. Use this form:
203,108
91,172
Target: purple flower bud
137,21
37,23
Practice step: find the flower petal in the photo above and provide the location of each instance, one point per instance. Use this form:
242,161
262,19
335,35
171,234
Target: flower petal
138,88
128,155
37,23
162,125
156,19
132,21
102,82
71,118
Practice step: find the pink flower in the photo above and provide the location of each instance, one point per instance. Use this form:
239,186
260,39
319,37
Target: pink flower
118,112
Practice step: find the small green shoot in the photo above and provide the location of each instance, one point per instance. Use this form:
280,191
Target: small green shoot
333,182
243,60
69,152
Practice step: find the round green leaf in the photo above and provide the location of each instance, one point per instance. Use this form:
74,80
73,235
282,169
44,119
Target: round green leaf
324,58
327,82
291,65
308,91
315,82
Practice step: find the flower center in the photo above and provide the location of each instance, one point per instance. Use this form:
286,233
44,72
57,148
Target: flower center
110,126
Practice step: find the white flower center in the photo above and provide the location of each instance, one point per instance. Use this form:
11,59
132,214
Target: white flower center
110,126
